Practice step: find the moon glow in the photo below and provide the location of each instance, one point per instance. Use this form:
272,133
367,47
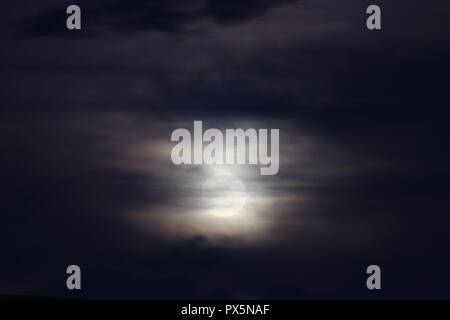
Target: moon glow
224,195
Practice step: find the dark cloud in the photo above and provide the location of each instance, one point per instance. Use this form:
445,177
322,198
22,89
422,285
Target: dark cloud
128,17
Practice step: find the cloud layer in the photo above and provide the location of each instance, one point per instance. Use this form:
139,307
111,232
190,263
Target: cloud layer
87,176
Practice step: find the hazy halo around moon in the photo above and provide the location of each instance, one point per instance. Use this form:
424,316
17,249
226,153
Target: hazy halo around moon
223,194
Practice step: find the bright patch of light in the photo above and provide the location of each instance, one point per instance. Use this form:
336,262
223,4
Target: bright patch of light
224,194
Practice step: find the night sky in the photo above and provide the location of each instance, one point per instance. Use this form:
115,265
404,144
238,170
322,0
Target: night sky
86,174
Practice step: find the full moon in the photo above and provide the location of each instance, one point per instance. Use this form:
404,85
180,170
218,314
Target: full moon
224,194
